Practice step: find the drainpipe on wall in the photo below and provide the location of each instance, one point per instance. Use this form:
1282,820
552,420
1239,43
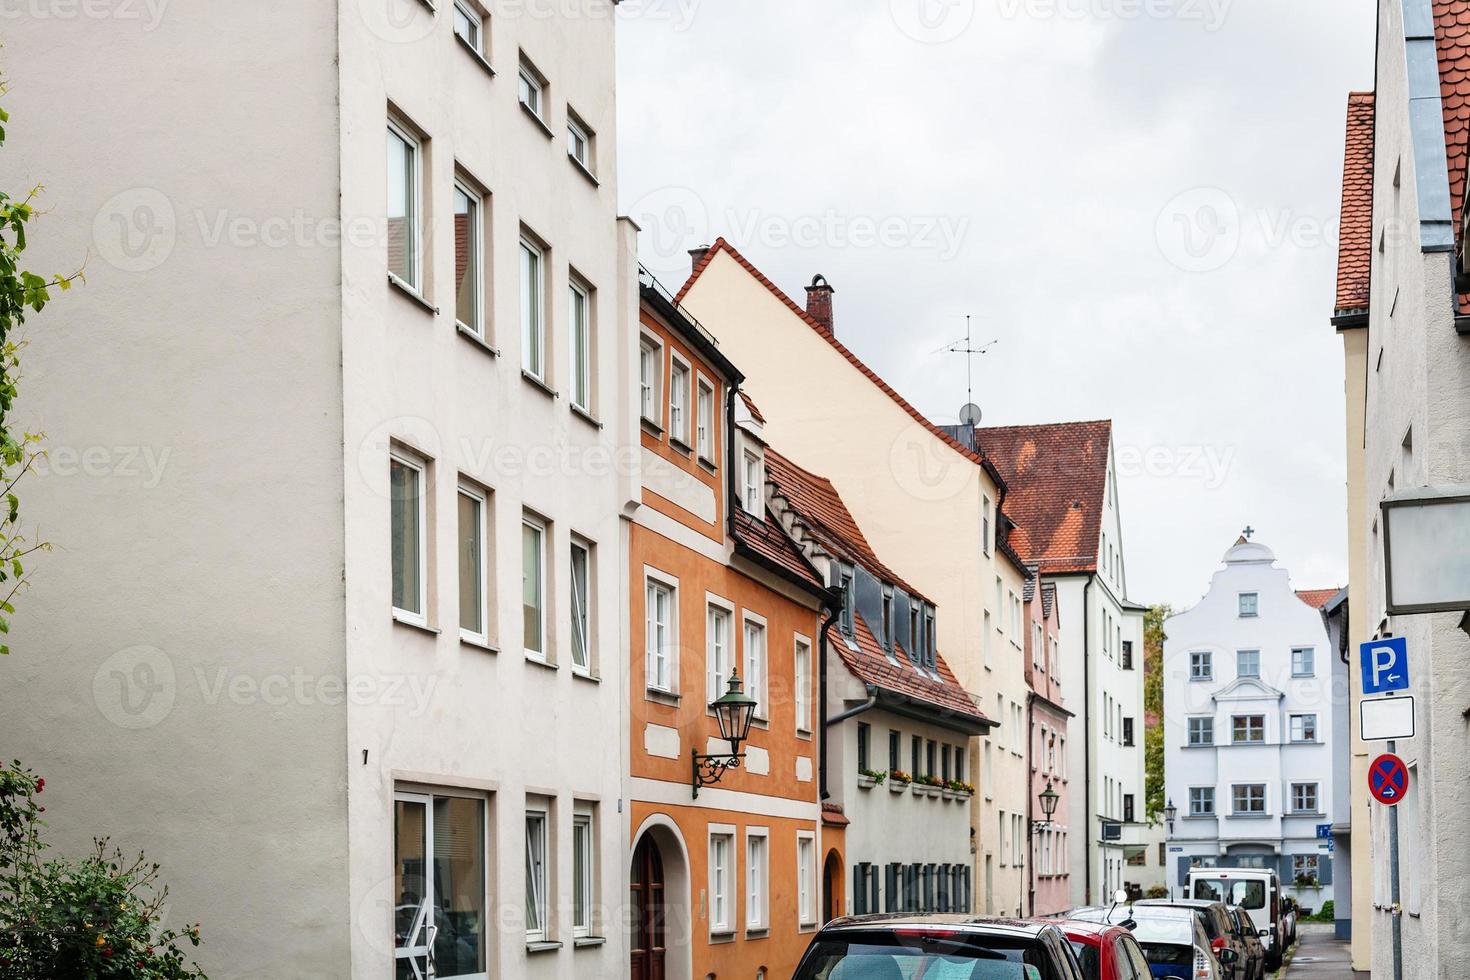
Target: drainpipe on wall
1030,806
1087,738
832,614
731,487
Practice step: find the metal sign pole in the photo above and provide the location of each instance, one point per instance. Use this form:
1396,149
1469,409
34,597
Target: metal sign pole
1393,878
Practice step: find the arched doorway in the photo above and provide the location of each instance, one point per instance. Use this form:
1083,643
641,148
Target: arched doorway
661,929
832,888
650,920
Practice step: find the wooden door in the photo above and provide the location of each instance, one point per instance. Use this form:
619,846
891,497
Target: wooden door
647,894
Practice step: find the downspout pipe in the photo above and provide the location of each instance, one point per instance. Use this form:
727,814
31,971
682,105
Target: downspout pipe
1030,804
1087,735
732,488
832,613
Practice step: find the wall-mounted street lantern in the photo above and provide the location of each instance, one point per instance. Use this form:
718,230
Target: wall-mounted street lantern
1170,812
1426,550
734,711
1048,798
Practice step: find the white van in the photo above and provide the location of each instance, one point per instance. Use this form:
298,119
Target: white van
1257,890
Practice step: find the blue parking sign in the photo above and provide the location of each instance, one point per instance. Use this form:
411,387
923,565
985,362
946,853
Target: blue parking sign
1385,665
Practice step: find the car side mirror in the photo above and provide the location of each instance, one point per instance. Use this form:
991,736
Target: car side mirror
1265,932
1228,956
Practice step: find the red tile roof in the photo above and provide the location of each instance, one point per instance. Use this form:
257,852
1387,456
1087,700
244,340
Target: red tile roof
832,815
870,664
1355,240
1057,478
1452,39
1316,598
769,541
755,413
721,245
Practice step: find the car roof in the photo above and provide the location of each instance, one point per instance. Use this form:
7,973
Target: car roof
1121,913
1091,933
980,925
1179,903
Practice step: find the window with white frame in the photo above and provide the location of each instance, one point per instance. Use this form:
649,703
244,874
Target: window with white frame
1003,824
469,26
650,378
721,881
579,338
533,314
440,857
717,655
1248,663
887,638
704,422
532,90
806,879
1304,728
538,923
1017,637
469,269
1202,731
581,142
1201,801
1248,798
1304,798
584,874
1305,870
409,519
755,666
753,488
1038,648
580,580
660,630
679,401
985,524
1201,665
533,586
803,685
1248,729
473,568
404,234
757,880
1303,662
1249,604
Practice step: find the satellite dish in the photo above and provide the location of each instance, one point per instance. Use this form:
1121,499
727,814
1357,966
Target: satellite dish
970,414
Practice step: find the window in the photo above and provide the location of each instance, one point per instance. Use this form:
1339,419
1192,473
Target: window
1247,663
887,638
439,862
532,90
844,577
1304,798
704,422
864,734
473,587
579,337
659,632
1304,728
1038,648
895,750
806,879
1249,604
757,880
931,758
1201,665
406,478
469,26
959,764
916,752
1304,869
469,272
985,524
650,378
1248,798
929,644
403,205
755,666
1202,801
944,764
537,921
1303,662
986,636
803,685
1127,660
1201,731
1127,731
754,484
584,865
1003,823
679,402
1017,637
533,325
533,586
1248,729
1128,808
717,652
721,884
580,142
913,630
581,606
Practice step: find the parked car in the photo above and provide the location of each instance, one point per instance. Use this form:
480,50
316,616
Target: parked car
1173,940
1219,926
1107,952
1257,890
1255,950
1290,912
938,947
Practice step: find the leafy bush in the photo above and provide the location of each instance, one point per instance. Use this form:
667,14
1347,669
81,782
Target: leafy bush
97,917
1156,891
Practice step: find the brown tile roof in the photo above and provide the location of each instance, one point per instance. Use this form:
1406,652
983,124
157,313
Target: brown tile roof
769,541
832,815
755,413
1057,482
1452,39
870,664
1316,598
721,245
1355,240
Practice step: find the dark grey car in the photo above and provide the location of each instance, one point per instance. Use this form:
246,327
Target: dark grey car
945,947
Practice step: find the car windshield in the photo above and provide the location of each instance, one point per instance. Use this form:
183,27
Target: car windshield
1250,894
1168,954
1087,956
934,954
1175,929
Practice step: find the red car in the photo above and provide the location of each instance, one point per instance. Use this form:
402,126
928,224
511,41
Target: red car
1105,952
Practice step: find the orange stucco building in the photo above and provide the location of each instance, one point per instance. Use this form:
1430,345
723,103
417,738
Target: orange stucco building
726,879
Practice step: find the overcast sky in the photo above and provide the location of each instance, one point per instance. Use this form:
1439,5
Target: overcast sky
1136,198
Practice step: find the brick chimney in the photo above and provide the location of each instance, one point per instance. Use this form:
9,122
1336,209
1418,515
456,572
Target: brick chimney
819,302
696,255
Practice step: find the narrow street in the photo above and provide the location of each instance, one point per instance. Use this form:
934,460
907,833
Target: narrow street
1319,955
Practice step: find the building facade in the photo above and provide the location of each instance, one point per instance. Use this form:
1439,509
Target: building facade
1048,721
376,529
725,878
1249,728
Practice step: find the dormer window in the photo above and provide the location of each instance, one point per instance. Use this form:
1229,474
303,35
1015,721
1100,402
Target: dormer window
914,632
844,582
753,480
929,642
888,618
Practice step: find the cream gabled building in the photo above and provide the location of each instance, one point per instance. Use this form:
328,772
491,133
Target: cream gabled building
349,663
928,504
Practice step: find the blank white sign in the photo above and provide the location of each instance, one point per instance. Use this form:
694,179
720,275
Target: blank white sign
1386,718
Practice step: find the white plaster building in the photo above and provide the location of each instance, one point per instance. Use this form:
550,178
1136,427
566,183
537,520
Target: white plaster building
1249,728
348,664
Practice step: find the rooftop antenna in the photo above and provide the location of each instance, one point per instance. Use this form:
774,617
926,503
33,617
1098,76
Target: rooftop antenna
970,414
